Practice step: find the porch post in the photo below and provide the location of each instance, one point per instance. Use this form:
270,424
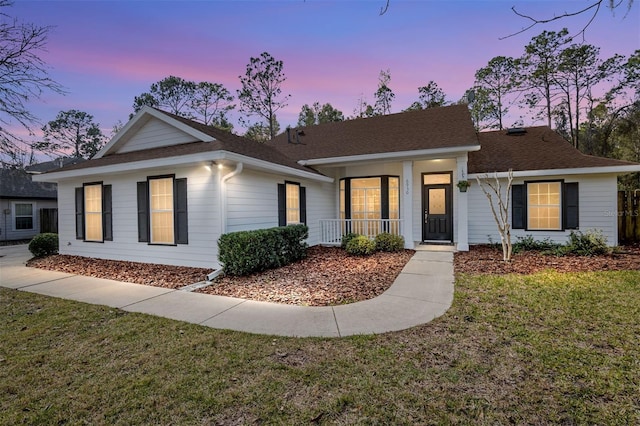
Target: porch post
406,208
463,205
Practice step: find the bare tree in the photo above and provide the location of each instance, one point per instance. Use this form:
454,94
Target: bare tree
23,78
499,202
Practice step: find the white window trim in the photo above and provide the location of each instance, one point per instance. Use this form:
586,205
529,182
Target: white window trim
14,216
87,212
172,210
289,208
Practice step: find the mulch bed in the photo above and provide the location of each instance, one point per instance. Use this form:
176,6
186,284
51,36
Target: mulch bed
328,276
488,260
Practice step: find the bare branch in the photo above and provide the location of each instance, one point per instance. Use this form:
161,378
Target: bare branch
535,21
383,9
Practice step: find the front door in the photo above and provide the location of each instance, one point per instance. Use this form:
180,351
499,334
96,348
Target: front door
437,207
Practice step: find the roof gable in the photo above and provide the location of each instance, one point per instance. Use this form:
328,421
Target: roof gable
151,128
537,148
440,128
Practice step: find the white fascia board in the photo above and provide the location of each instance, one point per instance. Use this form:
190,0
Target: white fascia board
454,151
198,158
616,170
140,119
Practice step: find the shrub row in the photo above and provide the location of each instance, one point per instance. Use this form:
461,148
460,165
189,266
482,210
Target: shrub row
361,245
589,243
44,244
246,252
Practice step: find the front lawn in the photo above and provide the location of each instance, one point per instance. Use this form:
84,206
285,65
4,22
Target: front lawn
521,349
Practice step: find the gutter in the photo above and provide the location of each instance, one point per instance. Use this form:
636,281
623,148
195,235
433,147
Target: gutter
223,195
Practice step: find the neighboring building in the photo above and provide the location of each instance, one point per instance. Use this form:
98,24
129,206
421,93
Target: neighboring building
28,208
21,203
165,188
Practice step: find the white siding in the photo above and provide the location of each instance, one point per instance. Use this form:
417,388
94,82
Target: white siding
155,134
204,225
597,204
252,202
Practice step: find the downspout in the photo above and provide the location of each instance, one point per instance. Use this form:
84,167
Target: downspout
223,196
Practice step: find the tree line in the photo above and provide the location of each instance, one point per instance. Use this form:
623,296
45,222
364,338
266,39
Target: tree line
593,102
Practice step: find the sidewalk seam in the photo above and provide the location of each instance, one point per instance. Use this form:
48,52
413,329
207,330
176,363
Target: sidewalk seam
333,311
222,312
148,298
44,282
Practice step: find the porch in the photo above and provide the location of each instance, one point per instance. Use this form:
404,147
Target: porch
332,230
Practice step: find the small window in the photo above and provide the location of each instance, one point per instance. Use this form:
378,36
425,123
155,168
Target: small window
161,211
23,214
293,203
543,204
93,212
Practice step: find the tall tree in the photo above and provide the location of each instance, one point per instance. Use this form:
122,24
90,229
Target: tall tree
23,78
316,114
73,133
261,132
497,80
429,96
384,95
261,92
538,66
481,107
173,94
211,103
579,70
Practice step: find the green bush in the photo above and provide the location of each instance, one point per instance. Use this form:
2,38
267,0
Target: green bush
590,243
246,252
44,245
346,238
389,242
528,243
361,246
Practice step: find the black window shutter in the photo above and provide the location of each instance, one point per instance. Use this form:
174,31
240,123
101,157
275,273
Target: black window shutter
384,197
143,212
180,211
518,206
570,205
303,205
282,205
107,221
80,213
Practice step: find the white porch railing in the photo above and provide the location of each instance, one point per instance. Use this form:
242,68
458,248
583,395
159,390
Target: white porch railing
332,230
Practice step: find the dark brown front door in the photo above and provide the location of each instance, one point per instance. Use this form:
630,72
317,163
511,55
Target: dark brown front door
437,208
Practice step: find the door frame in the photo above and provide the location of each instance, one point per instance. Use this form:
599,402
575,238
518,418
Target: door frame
449,205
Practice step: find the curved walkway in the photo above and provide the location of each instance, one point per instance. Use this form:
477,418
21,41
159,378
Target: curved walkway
422,292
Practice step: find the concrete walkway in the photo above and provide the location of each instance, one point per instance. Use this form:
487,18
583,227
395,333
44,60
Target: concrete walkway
422,292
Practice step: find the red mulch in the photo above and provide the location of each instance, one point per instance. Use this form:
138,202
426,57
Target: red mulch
488,260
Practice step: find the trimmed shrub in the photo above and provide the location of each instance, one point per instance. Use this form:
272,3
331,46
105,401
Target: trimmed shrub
590,243
346,238
44,244
246,252
389,242
360,246
528,243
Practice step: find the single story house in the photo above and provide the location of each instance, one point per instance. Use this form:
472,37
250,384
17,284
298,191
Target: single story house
165,188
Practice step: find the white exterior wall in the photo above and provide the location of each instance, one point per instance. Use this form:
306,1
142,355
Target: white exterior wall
155,134
8,220
252,202
597,210
202,207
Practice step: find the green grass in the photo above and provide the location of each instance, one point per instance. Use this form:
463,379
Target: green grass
538,349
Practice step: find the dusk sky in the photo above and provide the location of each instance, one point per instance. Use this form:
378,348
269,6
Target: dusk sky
106,52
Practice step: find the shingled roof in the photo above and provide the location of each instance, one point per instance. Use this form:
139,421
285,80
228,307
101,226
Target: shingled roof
16,183
432,128
224,141
537,148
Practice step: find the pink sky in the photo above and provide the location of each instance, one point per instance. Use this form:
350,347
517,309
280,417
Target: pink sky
107,52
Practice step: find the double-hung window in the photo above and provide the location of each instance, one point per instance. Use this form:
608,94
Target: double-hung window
23,216
162,210
93,212
545,206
